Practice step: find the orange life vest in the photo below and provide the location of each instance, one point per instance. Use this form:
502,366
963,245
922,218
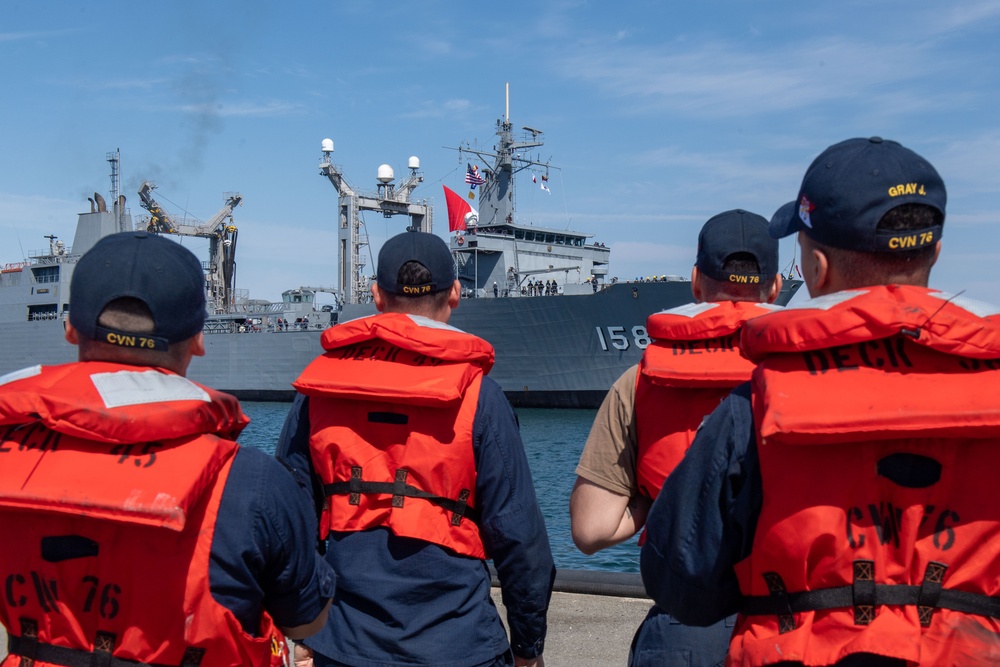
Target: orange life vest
391,410
110,483
878,432
693,364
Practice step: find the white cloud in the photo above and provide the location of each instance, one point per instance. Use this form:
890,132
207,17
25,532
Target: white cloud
35,35
720,79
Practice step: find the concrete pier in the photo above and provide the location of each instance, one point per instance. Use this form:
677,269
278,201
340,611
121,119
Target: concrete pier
590,630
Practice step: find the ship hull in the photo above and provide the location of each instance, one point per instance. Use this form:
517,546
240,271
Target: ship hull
551,351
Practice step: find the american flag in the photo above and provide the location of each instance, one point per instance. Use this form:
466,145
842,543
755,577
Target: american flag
473,178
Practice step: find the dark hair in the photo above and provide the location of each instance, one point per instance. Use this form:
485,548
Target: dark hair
415,273
742,263
127,314
860,268
130,315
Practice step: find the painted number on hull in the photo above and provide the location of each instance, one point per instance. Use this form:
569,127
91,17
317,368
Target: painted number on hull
617,338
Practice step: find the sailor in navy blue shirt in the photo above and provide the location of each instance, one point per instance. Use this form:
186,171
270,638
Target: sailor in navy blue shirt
407,601
847,215
381,575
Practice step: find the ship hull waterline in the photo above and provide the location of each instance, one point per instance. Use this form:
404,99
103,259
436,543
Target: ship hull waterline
551,351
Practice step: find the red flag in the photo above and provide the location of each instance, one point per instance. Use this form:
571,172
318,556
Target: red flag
460,213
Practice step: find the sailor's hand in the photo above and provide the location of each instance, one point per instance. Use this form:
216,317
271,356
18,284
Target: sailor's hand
529,662
303,656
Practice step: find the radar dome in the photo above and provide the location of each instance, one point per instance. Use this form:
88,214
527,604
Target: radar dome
385,174
327,145
414,162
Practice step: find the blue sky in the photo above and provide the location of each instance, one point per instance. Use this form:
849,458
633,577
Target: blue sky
659,114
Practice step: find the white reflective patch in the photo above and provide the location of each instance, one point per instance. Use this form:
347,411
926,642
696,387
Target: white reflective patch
422,321
691,310
138,388
28,372
827,301
977,308
770,306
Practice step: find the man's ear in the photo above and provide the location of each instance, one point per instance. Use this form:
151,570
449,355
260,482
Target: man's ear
696,290
775,288
70,333
937,253
821,273
198,345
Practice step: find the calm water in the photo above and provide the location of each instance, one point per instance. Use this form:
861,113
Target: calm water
553,440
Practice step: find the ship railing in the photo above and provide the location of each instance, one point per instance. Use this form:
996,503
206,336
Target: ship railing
39,317
259,308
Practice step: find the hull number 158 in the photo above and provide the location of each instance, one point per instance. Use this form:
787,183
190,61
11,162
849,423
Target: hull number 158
618,338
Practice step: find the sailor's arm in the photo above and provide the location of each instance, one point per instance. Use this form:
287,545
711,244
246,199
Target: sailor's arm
297,584
308,629
601,518
605,508
513,528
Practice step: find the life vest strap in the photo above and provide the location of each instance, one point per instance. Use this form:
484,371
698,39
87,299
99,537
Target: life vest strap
864,595
399,490
30,650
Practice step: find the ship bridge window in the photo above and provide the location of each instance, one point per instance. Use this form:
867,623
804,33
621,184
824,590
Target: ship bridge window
550,238
561,240
519,234
529,236
46,274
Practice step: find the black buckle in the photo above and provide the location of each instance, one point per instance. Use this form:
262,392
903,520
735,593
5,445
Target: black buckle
779,594
863,592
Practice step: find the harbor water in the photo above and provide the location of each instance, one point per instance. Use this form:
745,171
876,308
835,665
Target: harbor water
553,440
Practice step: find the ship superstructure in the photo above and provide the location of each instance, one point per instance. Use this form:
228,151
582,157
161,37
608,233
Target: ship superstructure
561,346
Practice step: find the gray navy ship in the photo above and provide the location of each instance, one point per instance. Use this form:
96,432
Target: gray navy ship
562,330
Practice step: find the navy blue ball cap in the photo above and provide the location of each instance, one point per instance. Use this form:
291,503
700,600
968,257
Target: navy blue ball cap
849,188
736,231
428,250
164,275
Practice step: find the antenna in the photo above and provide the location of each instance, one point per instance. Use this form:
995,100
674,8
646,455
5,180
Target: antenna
507,112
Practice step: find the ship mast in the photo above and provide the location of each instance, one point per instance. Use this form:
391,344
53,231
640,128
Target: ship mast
390,199
497,201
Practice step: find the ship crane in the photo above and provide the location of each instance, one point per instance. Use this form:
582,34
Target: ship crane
391,199
220,274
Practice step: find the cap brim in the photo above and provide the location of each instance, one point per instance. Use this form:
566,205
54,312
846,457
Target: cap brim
785,221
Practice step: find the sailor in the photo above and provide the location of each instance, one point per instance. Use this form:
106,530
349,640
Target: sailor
496,290
136,530
650,415
423,477
864,533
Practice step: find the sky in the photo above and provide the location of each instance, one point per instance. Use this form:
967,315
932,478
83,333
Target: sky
657,114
